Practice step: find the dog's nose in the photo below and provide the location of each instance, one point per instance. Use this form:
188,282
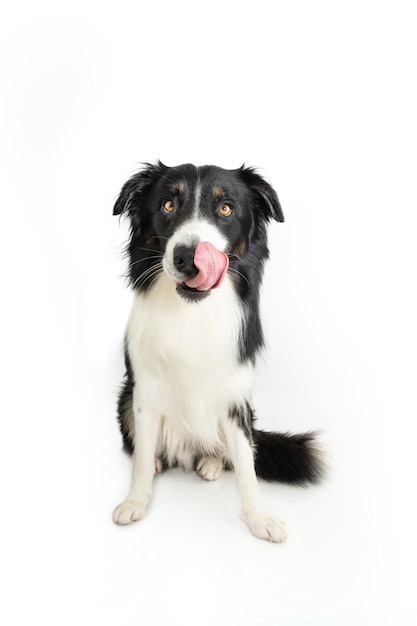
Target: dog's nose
184,260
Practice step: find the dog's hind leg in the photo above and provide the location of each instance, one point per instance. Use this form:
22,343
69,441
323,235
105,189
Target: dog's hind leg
241,456
147,428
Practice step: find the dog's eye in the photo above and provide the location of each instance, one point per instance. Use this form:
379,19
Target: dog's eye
168,206
225,210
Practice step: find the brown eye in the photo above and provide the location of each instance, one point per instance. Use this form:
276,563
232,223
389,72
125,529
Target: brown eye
168,206
225,210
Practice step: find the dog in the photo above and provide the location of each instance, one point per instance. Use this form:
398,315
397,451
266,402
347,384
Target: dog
197,248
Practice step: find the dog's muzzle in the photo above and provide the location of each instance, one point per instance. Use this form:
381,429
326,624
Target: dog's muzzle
201,269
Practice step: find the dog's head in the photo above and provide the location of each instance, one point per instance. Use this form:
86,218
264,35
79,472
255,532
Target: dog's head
196,224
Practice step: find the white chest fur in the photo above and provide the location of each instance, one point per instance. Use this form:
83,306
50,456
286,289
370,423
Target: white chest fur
185,359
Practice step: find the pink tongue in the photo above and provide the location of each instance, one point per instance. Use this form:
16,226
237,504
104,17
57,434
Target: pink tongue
212,266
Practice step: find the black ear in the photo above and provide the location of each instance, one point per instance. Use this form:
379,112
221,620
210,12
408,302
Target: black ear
129,197
266,195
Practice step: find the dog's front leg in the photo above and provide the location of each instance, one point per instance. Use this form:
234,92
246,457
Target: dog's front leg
240,452
147,425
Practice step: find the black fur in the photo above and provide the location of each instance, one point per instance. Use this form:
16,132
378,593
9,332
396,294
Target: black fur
124,405
293,459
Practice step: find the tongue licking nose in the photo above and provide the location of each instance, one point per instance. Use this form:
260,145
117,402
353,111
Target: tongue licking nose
212,265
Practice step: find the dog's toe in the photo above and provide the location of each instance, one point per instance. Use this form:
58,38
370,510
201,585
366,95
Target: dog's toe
267,528
128,511
209,468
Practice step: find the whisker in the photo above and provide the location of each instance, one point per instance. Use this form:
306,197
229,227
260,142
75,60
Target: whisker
147,258
148,250
151,272
232,269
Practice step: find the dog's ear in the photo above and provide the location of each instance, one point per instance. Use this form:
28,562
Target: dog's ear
266,196
129,198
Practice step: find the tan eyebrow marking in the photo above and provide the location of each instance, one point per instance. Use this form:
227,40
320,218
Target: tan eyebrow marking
179,187
218,192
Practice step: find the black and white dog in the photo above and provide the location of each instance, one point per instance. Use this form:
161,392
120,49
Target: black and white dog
196,253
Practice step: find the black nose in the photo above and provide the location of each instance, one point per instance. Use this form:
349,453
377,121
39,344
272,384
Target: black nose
184,260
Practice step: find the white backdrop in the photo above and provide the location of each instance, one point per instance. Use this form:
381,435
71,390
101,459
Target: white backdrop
321,96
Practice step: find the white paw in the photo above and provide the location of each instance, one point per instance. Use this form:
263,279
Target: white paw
268,528
128,511
210,468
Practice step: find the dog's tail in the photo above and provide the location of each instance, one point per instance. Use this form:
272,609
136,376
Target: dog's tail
293,459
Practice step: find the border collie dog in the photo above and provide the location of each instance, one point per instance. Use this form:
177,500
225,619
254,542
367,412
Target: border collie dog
196,251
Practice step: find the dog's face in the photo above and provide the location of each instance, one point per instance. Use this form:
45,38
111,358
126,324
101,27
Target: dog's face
174,209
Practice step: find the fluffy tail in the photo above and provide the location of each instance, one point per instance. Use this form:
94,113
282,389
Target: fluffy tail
294,459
